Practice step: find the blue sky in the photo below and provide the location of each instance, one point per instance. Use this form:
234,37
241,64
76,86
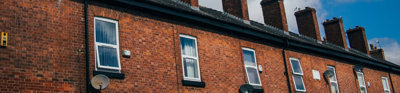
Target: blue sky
380,18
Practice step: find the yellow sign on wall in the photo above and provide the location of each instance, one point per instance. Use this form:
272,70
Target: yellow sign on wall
3,39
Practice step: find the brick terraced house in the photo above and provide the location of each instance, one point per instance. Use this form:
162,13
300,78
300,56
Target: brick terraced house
179,46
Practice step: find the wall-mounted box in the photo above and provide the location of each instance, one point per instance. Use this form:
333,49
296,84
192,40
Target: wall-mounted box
126,53
4,39
316,75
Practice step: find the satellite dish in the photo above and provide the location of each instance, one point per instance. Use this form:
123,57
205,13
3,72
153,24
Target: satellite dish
329,73
246,88
100,81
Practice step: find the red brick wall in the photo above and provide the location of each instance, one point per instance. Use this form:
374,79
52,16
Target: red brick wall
272,78
374,77
42,52
309,62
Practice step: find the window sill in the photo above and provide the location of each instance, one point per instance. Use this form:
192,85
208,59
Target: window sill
258,89
110,74
193,83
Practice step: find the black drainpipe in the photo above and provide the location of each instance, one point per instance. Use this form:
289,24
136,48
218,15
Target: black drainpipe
87,47
391,83
286,42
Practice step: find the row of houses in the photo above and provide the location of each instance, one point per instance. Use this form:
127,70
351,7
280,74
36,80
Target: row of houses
176,46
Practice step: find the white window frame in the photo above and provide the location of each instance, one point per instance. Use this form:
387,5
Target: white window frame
362,86
334,81
245,66
387,85
97,44
297,74
191,57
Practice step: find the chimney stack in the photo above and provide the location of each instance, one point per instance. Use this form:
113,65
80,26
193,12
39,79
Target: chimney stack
274,13
377,53
357,39
194,3
307,23
334,32
237,8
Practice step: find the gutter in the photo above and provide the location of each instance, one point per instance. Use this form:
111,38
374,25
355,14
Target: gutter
146,5
87,47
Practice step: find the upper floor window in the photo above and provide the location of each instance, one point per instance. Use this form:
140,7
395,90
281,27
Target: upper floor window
361,82
250,64
297,75
213,4
255,10
333,80
190,59
385,85
106,44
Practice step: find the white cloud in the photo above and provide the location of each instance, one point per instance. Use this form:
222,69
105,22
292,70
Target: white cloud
391,48
255,11
213,4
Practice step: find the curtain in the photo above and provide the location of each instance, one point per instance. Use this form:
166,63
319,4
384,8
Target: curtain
188,47
106,32
108,56
190,66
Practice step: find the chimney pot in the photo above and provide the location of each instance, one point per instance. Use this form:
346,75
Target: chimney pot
307,23
334,32
274,13
358,39
237,8
378,53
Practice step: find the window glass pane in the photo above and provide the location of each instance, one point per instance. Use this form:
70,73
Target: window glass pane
252,74
108,56
248,57
384,81
106,32
190,67
363,90
387,92
298,80
360,79
296,66
334,87
188,47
